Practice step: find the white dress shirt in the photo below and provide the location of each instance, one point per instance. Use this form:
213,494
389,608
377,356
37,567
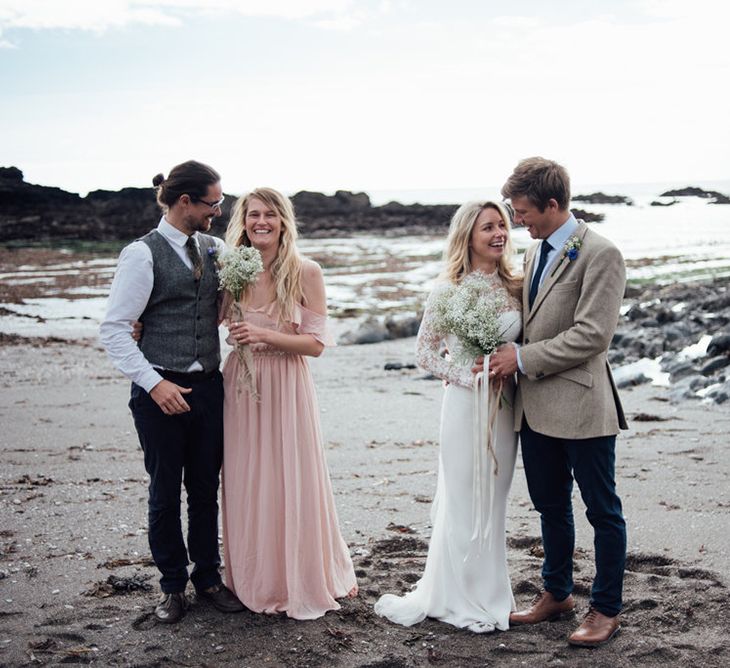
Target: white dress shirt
130,292
556,240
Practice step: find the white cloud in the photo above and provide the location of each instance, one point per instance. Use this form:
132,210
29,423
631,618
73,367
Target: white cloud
680,9
340,23
92,15
98,16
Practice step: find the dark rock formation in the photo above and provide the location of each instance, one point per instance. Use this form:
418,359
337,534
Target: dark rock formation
342,202
588,216
721,393
38,213
662,321
630,379
371,330
344,213
658,203
720,343
602,198
693,191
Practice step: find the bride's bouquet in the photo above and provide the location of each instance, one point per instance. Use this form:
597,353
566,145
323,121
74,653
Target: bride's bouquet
470,311
238,269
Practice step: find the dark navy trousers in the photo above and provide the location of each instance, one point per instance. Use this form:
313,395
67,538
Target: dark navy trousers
551,465
185,448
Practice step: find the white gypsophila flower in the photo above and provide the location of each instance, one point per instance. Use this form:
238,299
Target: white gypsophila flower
239,268
470,311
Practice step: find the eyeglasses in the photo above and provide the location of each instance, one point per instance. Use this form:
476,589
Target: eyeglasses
212,205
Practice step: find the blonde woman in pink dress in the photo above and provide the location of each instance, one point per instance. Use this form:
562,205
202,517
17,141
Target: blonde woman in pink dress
283,547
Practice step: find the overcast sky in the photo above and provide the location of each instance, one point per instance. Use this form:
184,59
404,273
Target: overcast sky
363,94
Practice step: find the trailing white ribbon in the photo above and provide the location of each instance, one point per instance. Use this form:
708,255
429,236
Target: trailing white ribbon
486,405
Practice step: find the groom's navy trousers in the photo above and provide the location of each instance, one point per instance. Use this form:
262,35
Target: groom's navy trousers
183,448
551,465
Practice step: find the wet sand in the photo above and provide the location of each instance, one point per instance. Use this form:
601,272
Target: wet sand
77,587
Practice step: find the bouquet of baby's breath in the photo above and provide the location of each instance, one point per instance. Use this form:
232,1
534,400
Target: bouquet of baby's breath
239,268
470,311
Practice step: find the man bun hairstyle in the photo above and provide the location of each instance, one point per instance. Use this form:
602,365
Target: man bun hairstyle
188,178
540,180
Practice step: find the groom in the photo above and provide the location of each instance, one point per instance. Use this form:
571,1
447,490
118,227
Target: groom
167,279
567,409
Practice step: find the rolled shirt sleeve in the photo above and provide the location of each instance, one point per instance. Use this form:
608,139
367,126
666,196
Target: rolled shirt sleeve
130,292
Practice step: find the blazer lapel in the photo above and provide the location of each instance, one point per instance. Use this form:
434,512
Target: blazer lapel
555,271
527,273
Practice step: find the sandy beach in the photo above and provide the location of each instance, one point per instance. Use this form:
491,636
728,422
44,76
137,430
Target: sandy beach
77,585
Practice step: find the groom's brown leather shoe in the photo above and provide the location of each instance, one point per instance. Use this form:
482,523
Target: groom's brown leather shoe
171,607
543,608
222,598
595,629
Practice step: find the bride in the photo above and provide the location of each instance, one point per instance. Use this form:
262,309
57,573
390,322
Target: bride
465,581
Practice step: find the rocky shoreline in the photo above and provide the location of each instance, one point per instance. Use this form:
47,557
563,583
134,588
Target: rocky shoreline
33,213
684,327
660,326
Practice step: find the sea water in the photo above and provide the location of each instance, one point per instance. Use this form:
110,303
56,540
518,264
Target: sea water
376,275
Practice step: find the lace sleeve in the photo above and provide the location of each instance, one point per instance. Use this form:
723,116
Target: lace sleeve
429,358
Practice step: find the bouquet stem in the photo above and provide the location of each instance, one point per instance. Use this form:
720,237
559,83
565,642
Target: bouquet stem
246,367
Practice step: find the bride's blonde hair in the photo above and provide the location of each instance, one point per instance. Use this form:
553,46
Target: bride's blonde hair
457,256
286,270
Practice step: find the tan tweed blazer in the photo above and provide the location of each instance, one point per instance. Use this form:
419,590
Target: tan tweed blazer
567,390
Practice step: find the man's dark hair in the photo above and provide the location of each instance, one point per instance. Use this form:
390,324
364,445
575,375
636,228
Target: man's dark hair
188,178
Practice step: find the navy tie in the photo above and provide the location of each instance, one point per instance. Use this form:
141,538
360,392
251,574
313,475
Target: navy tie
535,285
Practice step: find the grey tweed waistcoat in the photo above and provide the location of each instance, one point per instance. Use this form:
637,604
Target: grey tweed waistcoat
181,316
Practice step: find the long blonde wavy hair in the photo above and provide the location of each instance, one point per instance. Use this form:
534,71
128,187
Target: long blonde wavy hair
457,255
286,270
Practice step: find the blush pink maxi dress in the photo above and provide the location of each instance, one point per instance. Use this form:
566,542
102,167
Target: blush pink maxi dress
283,547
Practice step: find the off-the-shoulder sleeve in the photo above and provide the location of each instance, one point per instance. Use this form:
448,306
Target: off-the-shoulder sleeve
428,352
314,324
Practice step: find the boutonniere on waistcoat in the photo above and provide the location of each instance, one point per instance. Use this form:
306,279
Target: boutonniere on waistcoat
570,250
214,254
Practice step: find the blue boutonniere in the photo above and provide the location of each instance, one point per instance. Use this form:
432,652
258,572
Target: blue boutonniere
214,255
570,250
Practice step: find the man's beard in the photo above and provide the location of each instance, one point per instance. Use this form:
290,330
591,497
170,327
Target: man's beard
200,224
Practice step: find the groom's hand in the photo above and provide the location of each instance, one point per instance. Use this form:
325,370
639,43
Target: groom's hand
503,362
169,397
137,327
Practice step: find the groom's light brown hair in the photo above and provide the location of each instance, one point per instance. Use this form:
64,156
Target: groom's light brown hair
539,180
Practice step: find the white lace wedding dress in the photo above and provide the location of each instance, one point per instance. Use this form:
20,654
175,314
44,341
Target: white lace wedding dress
465,581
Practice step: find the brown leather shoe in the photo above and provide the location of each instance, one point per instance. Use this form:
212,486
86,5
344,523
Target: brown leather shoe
171,607
544,608
222,598
595,629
